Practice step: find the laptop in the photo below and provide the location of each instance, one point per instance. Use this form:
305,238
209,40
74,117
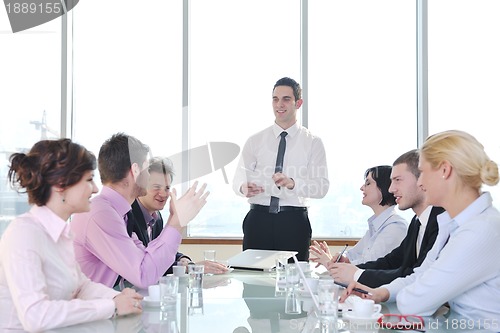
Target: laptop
257,260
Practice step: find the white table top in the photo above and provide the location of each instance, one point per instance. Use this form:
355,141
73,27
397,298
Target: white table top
237,302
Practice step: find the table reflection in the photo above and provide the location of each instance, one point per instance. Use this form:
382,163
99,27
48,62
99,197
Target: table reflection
238,302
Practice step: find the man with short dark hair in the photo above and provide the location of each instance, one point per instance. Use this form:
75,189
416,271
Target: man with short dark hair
280,168
103,248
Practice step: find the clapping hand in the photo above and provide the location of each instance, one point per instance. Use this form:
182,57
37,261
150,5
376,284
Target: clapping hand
322,254
184,209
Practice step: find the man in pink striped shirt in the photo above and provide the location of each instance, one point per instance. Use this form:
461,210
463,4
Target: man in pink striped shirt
103,248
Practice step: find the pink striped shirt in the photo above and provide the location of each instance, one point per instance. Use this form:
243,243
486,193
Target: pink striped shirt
104,249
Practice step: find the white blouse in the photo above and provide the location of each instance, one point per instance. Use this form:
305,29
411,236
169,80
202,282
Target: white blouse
41,284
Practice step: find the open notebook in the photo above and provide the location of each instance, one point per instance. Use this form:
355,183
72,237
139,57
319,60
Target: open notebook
258,260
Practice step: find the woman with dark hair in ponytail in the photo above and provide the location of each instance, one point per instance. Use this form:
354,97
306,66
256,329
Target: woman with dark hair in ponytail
386,229
41,284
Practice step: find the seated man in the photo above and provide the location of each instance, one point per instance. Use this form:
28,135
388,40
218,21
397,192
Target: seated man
147,222
103,248
413,249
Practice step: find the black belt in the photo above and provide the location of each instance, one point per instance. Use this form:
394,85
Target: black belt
282,208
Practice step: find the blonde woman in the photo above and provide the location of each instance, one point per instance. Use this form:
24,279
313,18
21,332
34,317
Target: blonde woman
463,267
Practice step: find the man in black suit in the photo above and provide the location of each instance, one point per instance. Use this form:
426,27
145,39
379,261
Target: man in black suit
419,239
149,230
146,220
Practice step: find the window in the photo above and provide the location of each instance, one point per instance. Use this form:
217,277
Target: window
31,99
128,73
362,93
464,72
181,74
237,52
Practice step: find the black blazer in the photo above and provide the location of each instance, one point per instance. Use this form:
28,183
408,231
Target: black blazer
402,260
136,223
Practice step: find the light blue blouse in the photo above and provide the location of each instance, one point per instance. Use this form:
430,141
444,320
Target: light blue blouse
385,233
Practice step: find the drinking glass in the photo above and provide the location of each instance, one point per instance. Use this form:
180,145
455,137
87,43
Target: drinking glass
169,286
195,277
328,298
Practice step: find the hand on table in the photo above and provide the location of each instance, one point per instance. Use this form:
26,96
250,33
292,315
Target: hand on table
128,302
213,267
379,295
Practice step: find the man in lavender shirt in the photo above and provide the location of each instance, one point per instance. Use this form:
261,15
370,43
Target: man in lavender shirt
103,248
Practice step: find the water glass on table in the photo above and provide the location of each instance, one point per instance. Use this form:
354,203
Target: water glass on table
195,302
280,262
292,303
169,286
328,298
209,255
195,277
292,277
280,265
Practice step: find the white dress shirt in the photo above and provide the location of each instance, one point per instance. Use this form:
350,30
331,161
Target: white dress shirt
385,233
304,161
423,219
41,284
462,268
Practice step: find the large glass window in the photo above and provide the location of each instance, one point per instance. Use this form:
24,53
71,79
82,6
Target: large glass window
128,73
31,99
238,50
464,71
362,92
127,76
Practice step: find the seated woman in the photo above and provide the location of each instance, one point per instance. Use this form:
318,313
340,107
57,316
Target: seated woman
386,229
462,268
41,284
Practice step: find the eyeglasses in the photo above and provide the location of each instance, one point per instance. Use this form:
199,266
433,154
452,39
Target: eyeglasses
158,188
402,322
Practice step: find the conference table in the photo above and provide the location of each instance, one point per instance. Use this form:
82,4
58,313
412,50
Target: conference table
243,301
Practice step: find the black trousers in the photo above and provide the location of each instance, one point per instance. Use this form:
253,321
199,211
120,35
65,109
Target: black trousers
288,230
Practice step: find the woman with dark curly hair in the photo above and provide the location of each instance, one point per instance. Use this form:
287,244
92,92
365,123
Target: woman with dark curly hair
41,284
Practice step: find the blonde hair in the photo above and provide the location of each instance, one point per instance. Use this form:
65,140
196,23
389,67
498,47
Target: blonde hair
465,154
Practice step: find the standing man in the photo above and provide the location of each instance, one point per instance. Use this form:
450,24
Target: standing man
103,248
280,168
420,237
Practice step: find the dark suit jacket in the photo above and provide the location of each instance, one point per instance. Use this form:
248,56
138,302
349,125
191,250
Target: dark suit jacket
402,260
138,225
